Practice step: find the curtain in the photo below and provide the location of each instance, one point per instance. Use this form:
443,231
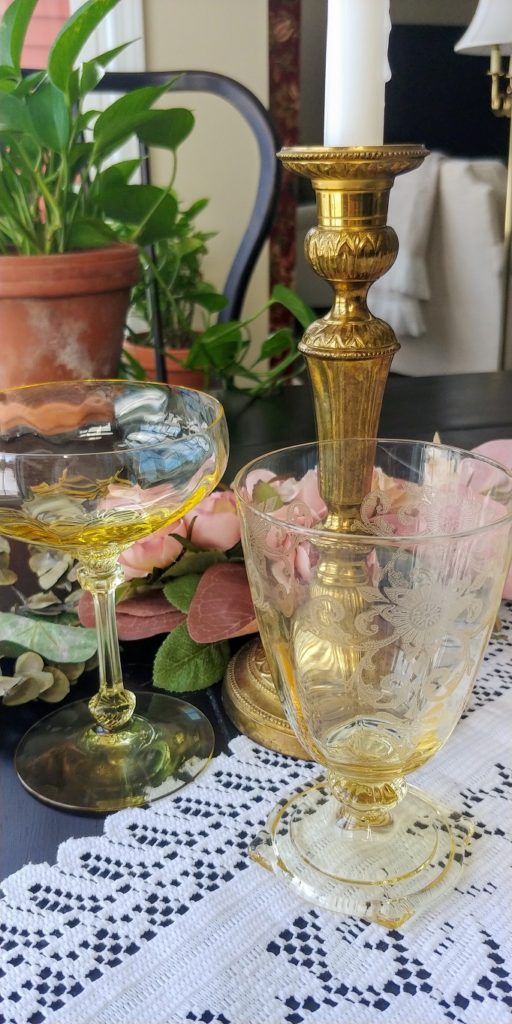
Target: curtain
284,92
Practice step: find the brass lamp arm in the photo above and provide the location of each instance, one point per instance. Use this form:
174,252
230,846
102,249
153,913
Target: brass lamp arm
501,104
501,98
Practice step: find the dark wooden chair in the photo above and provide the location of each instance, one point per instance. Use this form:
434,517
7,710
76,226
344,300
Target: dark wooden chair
258,227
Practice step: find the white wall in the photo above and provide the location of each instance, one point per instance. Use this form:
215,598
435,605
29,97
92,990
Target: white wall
219,160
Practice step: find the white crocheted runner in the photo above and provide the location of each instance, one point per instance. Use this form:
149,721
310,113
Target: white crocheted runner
164,920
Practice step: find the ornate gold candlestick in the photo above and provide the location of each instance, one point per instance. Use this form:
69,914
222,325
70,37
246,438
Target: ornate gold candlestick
348,354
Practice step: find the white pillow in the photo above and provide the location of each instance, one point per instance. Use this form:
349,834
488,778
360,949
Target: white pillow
397,296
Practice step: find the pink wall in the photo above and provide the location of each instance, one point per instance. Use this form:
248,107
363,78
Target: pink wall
46,21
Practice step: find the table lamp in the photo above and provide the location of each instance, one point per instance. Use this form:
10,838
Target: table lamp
490,32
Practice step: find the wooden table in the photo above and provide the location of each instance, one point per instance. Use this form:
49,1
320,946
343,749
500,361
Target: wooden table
466,410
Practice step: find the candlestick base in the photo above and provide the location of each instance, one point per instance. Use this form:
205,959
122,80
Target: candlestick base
250,699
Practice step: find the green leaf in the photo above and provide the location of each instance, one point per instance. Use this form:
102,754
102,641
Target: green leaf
220,346
13,114
137,204
279,341
89,233
182,666
195,208
51,641
209,299
115,175
29,82
120,120
166,128
180,591
302,312
92,71
9,78
79,157
193,562
263,493
13,29
72,37
50,116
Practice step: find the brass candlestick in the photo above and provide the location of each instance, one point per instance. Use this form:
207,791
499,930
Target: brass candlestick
348,353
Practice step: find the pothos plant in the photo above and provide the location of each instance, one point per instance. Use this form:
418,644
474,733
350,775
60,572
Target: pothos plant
188,307
61,189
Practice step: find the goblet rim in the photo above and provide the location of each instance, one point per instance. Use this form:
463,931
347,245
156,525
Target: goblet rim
205,430
358,537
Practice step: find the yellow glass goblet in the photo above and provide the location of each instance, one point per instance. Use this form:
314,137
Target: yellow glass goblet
374,614
89,467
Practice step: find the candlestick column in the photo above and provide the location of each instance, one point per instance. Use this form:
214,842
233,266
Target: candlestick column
349,351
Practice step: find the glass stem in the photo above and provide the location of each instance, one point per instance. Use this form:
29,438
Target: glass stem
364,805
113,706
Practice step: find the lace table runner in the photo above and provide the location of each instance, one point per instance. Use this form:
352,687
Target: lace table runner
164,920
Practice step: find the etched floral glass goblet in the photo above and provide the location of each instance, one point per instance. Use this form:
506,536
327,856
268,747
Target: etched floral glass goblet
89,467
374,615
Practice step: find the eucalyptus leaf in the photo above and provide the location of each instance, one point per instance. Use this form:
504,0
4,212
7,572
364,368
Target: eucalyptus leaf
49,565
29,662
27,685
59,689
182,666
54,642
42,600
71,670
26,689
7,577
8,683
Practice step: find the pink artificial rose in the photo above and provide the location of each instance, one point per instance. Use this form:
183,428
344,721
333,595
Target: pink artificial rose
127,496
303,506
501,451
291,491
157,551
214,522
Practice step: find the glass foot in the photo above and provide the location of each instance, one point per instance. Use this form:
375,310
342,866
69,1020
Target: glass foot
383,874
67,761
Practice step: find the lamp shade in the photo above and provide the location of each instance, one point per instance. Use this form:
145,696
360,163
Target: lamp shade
491,26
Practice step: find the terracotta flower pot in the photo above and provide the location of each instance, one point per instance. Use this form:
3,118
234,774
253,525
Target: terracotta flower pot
176,373
62,317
